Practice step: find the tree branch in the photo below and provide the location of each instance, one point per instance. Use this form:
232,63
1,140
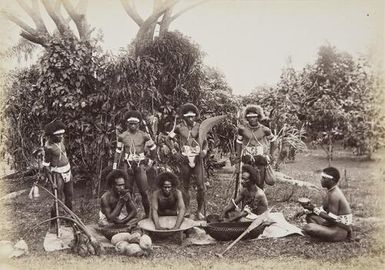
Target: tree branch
77,17
41,27
129,7
33,38
165,23
187,9
55,16
155,15
19,22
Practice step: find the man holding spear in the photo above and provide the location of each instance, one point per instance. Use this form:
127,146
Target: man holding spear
255,143
190,154
57,167
131,143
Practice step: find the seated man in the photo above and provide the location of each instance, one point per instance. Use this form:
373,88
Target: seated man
251,196
167,200
331,222
114,200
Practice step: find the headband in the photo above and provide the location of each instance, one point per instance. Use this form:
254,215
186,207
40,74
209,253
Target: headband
60,131
189,114
326,175
252,115
133,119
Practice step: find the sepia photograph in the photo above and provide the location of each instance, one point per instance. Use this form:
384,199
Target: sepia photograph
192,134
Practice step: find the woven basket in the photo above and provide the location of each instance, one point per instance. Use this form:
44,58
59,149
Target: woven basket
227,231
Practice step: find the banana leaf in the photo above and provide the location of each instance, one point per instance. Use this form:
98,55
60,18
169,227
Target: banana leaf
207,125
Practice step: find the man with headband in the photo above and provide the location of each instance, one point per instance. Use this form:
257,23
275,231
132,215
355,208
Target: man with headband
331,222
131,143
190,154
56,165
255,143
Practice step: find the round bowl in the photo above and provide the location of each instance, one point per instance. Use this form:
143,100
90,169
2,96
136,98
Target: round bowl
165,222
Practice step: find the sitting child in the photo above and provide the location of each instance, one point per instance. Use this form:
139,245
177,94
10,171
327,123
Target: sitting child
331,222
114,200
167,200
251,196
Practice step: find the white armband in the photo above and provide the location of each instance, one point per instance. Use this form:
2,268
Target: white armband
240,139
114,166
153,147
172,134
46,164
118,150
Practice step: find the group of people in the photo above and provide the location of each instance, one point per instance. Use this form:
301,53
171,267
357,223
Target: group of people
136,150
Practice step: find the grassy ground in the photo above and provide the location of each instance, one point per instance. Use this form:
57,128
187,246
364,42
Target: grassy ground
363,184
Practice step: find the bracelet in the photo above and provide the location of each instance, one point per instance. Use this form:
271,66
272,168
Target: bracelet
317,211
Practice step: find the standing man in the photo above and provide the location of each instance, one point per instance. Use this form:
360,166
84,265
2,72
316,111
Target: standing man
190,154
255,143
131,143
56,165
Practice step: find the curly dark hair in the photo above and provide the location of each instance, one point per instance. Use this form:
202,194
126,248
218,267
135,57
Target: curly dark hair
133,113
167,176
115,174
252,171
55,125
332,172
189,107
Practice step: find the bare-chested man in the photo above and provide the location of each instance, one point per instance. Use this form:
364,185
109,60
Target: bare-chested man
132,143
115,199
190,154
167,200
56,165
331,222
250,196
255,143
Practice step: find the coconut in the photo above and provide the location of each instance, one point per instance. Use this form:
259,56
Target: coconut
134,250
120,237
145,242
121,247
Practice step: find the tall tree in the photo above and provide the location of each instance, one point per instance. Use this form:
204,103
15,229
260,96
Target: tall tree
163,14
39,33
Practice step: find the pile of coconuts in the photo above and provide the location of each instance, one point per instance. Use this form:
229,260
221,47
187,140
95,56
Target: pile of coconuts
132,244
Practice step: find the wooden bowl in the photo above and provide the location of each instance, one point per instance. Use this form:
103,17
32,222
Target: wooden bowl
303,200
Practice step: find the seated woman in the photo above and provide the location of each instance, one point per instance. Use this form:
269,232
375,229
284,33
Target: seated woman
114,200
167,200
331,222
251,196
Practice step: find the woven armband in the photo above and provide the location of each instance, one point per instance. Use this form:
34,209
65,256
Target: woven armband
317,211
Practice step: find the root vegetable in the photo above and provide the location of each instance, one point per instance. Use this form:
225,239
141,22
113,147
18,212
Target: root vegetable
135,238
120,237
121,247
145,242
134,250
